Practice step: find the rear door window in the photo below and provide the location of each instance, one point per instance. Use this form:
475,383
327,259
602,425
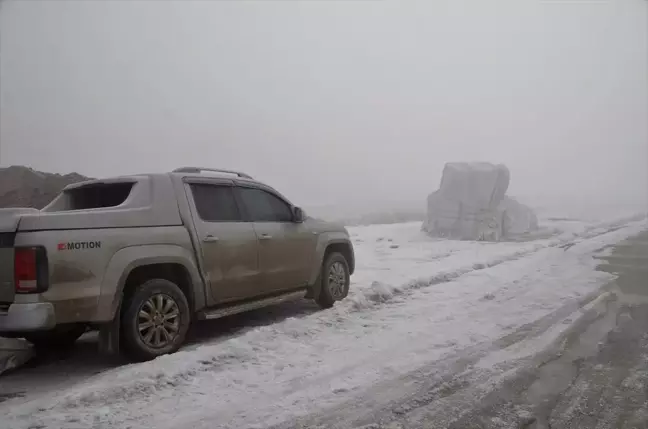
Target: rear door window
215,203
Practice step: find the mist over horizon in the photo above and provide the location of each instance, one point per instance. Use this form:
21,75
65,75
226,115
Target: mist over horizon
353,106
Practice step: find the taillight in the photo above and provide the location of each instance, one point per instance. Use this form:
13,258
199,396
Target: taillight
30,270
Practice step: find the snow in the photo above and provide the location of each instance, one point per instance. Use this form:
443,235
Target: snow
530,347
13,353
413,300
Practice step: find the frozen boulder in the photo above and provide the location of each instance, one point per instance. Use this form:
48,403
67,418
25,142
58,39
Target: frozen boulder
14,353
449,218
471,204
475,184
517,219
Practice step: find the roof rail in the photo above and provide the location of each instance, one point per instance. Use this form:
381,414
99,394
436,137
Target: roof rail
214,170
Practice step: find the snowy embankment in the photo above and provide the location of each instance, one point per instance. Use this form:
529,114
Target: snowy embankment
392,322
13,354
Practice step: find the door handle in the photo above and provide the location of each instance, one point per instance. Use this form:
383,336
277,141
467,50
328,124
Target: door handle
265,237
210,239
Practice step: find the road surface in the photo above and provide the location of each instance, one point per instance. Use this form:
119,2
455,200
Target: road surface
434,334
594,376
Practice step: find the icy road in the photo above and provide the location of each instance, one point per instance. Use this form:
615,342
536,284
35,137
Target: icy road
443,314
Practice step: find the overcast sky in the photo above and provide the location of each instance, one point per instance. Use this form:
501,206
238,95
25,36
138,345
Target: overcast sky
332,101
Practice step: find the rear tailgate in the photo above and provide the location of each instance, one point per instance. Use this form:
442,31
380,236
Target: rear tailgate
9,219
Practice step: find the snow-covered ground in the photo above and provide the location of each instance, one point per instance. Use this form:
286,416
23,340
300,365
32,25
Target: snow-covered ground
413,300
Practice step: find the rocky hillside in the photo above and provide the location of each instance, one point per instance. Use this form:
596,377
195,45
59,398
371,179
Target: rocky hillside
23,187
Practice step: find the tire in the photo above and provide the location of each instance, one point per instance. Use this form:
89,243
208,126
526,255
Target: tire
61,337
335,280
155,320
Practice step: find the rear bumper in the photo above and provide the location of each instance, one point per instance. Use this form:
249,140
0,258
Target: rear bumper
28,317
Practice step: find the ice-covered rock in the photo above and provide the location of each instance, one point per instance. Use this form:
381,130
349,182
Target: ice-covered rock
475,184
14,353
471,204
517,218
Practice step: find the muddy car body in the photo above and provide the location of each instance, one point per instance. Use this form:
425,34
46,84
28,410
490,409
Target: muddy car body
140,257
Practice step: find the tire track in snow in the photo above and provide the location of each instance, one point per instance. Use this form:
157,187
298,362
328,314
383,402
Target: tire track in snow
170,372
382,293
399,352
457,377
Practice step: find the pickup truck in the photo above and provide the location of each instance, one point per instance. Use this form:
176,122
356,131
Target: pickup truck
139,258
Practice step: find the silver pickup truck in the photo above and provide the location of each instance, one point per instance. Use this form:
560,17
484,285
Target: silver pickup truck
140,257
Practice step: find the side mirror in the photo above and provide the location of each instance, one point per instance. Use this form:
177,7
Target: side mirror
298,215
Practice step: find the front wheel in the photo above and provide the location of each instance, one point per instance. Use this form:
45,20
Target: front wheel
335,280
155,320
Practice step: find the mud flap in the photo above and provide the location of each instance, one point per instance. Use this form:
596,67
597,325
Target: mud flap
109,335
314,291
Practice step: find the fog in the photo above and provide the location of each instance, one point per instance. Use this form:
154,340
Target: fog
333,103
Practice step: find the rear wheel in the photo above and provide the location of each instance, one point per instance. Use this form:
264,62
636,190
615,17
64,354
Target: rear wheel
155,320
61,337
335,280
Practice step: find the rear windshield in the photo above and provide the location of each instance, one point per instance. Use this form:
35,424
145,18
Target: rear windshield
99,195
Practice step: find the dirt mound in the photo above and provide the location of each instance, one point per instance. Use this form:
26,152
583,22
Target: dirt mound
23,187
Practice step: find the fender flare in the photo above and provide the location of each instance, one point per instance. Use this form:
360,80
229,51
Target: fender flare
125,260
323,242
